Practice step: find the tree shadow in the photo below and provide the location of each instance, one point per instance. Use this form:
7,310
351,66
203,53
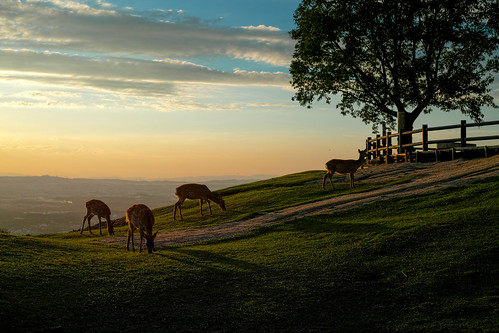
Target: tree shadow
325,224
209,260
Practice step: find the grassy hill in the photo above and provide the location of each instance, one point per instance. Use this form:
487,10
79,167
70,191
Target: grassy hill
422,263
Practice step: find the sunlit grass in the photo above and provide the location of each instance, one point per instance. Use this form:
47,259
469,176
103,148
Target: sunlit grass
249,200
423,263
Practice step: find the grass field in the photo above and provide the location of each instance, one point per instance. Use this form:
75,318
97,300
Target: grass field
425,263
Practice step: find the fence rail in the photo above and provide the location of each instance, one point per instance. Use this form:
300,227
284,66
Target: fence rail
381,148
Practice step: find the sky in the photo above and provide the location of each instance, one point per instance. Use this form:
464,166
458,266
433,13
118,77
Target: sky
159,89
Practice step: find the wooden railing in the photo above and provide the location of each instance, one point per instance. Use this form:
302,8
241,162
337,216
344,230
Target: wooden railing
381,148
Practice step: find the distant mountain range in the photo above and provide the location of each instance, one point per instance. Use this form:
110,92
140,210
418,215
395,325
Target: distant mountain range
46,204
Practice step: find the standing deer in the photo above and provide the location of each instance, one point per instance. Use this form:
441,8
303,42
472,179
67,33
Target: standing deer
99,208
344,166
196,191
139,216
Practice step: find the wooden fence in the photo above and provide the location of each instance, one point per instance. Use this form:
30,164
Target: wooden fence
381,148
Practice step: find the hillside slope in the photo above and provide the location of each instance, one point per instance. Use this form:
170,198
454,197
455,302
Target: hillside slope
415,263
426,178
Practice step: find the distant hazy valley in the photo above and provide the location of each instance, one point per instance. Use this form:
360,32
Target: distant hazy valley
38,205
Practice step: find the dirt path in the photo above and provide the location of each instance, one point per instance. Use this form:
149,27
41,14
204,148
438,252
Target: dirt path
431,177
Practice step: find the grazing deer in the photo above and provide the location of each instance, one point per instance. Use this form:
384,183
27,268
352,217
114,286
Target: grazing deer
99,208
140,217
344,166
196,191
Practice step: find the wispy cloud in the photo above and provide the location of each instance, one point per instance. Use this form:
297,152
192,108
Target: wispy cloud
42,99
131,75
78,45
261,27
71,26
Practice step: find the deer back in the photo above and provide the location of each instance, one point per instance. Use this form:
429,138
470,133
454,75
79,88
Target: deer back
346,166
342,166
97,207
140,217
193,191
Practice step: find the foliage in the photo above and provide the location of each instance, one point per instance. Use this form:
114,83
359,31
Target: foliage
388,57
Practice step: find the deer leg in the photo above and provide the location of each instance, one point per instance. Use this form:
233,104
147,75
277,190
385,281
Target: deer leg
179,205
109,225
328,175
140,246
133,243
201,206
100,225
180,211
128,242
209,206
83,224
352,184
324,181
88,220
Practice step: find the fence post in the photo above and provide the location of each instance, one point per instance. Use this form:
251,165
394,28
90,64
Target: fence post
383,132
463,133
425,137
399,142
383,142
389,143
368,147
377,146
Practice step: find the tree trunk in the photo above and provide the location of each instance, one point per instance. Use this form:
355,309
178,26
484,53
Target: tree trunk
404,124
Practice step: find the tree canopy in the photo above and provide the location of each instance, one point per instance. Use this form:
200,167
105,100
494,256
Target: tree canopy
385,57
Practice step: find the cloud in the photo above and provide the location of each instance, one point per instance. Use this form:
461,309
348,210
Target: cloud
182,104
40,95
270,105
72,45
72,26
16,145
261,27
76,7
42,99
119,74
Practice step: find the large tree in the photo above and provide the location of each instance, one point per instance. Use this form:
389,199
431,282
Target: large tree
396,58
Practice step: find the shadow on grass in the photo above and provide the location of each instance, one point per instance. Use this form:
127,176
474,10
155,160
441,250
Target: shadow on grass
9,244
206,259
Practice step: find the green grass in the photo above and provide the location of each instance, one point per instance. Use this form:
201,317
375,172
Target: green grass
249,200
423,263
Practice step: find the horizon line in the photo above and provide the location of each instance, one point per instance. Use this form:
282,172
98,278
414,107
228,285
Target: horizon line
138,179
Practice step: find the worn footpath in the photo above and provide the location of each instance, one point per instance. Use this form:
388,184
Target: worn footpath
429,177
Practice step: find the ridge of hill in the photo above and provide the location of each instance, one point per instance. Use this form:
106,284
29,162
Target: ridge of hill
425,178
412,263
46,204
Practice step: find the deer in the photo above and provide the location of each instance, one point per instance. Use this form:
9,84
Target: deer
196,191
99,208
344,166
139,216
